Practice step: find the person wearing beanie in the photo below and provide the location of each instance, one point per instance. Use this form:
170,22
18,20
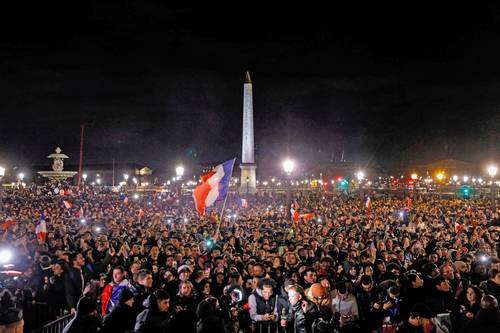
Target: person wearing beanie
419,320
122,318
86,320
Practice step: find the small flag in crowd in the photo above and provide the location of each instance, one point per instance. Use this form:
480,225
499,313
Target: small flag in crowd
458,227
368,203
7,224
307,216
214,186
294,211
68,204
79,213
243,203
41,227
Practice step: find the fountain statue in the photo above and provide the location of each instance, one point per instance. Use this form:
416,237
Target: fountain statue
57,172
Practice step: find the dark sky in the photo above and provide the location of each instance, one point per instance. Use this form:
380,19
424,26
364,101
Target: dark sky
163,83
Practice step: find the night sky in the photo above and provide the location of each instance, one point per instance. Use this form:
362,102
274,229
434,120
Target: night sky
163,83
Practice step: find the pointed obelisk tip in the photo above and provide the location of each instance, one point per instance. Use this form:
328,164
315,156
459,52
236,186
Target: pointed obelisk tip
247,78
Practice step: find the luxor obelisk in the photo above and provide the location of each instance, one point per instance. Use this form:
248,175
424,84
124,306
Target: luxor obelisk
247,166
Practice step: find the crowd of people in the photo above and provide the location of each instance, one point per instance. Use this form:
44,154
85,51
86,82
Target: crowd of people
148,263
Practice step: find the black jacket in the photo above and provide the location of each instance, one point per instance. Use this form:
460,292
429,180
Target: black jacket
120,319
73,285
140,295
86,324
152,320
208,322
302,322
488,320
183,320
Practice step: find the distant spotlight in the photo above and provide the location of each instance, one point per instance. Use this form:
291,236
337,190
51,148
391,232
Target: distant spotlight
149,203
136,196
234,216
185,220
5,256
169,220
319,219
98,229
401,215
83,220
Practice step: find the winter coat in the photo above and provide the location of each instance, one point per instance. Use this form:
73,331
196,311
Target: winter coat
84,324
487,320
152,320
119,320
208,322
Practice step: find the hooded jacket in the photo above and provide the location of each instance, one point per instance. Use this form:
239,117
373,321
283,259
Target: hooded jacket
152,319
208,322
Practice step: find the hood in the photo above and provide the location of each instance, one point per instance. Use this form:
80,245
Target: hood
205,309
150,303
489,316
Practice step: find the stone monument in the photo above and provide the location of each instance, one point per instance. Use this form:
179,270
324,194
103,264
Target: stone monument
247,166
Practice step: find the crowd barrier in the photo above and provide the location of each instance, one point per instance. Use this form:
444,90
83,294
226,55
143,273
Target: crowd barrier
38,314
55,326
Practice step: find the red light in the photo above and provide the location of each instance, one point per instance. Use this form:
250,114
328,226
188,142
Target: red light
339,179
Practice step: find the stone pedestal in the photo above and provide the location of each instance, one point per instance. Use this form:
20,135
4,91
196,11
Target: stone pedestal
248,182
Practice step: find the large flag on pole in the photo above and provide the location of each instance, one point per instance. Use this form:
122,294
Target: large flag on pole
214,186
294,211
41,227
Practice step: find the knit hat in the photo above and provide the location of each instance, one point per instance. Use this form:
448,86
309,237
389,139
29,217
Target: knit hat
125,296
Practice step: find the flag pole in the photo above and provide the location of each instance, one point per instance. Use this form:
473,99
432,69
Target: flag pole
224,203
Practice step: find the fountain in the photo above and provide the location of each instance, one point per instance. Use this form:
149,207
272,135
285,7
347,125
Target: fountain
57,172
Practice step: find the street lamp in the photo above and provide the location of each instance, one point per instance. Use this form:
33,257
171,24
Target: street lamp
360,175
492,171
2,173
125,176
288,166
20,176
440,177
84,176
179,171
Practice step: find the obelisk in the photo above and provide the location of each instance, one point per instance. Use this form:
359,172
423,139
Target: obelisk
247,166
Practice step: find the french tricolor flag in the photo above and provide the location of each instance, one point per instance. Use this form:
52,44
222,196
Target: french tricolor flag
214,186
41,227
243,203
68,204
368,203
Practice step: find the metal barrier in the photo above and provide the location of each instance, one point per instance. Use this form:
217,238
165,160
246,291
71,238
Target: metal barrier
56,326
38,314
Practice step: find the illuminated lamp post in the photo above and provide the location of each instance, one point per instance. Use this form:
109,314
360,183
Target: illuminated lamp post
492,172
2,173
440,177
179,172
288,166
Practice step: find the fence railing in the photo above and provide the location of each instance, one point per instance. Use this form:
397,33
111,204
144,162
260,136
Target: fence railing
37,314
55,326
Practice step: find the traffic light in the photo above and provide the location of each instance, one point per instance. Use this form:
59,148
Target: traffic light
465,192
343,184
